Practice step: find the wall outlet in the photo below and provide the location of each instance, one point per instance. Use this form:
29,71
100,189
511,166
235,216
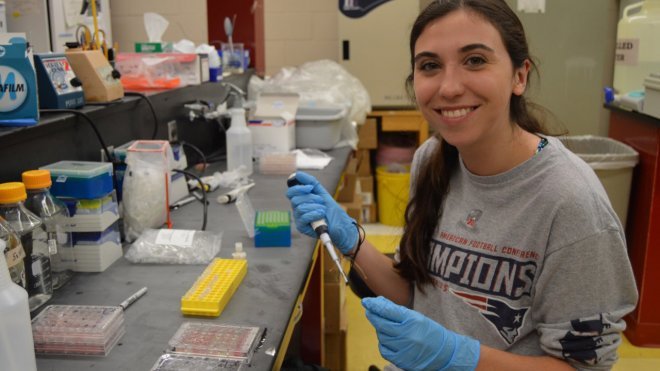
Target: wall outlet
172,132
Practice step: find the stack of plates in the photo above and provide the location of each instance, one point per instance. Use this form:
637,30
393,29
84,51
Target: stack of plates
77,329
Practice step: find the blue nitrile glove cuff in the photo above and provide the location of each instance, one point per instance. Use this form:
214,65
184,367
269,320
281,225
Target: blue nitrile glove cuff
311,202
413,341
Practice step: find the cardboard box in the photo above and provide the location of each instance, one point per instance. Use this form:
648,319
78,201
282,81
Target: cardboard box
368,134
353,209
273,123
349,189
19,104
370,213
366,190
364,162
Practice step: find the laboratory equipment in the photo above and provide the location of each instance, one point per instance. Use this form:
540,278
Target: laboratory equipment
55,216
247,213
273,123
100,81
175,246
80,179
16,344
78,329
178,362
652,94
637,50
19,104
238,253
213,289
319,125
146,187
81,329
277,163
233,58
321,229
34,240
59,88
239,143
213,340
272,228
14,253
231,196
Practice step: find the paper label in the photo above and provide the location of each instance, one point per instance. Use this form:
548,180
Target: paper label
14,256
627,52
175,237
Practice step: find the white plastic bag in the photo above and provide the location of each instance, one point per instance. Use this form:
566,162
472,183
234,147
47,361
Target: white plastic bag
175,246
322,81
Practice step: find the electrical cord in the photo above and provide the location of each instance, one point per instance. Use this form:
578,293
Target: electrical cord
82,114
199,153
151,108
201,186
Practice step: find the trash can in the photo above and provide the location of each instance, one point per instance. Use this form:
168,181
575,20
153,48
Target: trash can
393,185
613,163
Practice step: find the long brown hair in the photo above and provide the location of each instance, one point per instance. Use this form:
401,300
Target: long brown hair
432,183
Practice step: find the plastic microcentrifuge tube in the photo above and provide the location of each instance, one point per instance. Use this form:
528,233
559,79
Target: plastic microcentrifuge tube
238,251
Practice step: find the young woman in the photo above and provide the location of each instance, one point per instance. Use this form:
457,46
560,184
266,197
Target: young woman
512,256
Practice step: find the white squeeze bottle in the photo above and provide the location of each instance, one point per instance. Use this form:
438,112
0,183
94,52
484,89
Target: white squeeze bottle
239,142
16,344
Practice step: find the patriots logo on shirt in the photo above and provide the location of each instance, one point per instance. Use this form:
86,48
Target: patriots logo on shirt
506,320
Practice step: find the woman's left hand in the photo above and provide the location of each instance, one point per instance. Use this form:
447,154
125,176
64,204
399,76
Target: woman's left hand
413,341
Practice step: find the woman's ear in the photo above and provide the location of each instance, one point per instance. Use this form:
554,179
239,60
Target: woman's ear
520,77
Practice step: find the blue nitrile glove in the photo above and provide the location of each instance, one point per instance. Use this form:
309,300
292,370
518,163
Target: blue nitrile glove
413,341
311,202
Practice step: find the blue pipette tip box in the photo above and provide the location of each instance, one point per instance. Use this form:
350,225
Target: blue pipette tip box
272,228
80,179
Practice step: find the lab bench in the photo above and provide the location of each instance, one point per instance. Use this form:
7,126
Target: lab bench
283,286
642,132
272,295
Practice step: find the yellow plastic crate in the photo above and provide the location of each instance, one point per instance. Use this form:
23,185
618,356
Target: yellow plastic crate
211,292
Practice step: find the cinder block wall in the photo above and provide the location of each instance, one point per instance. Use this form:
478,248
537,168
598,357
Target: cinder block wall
299,31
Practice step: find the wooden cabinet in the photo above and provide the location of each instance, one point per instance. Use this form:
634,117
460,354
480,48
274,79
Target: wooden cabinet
642,132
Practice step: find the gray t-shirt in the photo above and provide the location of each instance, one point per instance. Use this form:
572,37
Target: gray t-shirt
532,261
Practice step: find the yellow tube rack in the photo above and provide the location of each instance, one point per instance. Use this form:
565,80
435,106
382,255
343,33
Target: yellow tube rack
211,292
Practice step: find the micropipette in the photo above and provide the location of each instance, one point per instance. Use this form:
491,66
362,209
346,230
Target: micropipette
232,195
321,228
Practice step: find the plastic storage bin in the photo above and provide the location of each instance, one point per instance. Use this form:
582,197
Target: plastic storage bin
319,126
80,179
613,163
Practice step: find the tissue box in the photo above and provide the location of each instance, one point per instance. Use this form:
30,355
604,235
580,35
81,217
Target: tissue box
154,47
272,229
273,124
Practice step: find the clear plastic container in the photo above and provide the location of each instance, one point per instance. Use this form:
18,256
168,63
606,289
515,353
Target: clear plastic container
16,344
55,216
239,142
14,253
34,240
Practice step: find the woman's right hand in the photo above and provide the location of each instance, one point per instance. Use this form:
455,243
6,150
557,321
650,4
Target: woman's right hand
311,202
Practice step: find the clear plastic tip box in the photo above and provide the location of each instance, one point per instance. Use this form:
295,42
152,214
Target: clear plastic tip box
80,179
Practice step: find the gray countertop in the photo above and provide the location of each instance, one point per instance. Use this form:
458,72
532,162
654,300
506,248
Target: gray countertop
265,298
